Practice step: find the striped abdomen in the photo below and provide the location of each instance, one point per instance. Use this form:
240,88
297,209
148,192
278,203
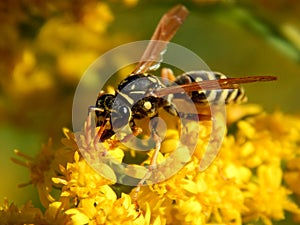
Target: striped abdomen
213,96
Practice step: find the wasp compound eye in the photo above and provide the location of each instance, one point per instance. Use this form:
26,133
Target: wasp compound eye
120,117
124,112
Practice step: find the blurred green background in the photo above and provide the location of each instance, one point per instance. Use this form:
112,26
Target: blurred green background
46,46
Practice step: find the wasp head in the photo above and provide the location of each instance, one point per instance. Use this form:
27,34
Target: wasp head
112,112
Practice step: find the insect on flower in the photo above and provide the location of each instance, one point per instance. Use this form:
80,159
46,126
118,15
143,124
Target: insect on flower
142,95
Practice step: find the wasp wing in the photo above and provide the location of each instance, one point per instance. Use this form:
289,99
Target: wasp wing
164,32
203,110
227,83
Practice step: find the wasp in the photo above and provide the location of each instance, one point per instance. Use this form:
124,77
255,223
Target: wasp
142,95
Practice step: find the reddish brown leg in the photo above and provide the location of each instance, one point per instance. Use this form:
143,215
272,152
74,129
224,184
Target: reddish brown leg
135,132
89,124
152,166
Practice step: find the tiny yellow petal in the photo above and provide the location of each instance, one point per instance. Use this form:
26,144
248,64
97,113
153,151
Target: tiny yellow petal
77,216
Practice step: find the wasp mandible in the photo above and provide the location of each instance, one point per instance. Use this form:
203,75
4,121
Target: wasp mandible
142,95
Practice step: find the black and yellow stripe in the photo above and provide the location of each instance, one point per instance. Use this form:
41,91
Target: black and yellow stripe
226,96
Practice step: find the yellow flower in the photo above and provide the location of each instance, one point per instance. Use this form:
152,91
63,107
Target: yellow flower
87,198
96,16
43,167
292,175
25,72
244,184
79,180
54,214
27,214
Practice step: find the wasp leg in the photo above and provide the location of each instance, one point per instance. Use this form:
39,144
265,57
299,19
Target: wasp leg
171,109
135,131
88,128
152,166
167,76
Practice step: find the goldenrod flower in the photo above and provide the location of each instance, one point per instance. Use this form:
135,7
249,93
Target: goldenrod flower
244,184
45,166
11,214
27,214
256,176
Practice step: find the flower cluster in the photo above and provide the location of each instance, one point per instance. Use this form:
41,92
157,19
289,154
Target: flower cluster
45,48
254,178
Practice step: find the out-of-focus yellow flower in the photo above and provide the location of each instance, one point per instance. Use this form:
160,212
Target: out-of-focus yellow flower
130,2
43,168
27,214
45,49
292,175
96,16
26,72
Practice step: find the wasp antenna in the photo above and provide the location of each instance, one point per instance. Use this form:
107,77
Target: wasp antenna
94,109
